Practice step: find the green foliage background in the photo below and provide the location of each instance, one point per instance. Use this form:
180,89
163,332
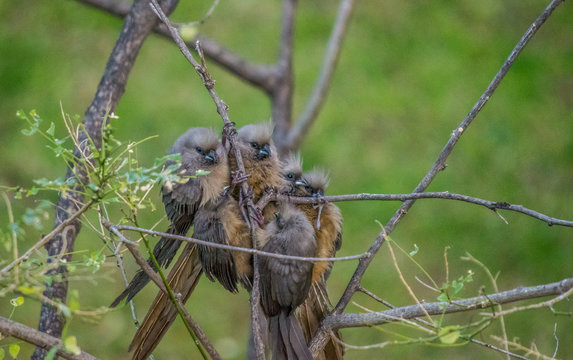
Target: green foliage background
408,74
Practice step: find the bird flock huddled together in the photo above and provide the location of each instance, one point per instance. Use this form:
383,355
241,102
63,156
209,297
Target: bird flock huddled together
294,297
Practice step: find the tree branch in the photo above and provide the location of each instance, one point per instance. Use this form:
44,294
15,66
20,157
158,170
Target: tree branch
438,308
319,94
137,25
261,76
281,97
445,195
439,164
40,339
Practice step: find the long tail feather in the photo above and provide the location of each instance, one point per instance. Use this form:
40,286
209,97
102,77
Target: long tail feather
182,279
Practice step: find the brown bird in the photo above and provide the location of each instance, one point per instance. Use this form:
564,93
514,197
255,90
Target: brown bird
200,149
327,222
284,283
261,163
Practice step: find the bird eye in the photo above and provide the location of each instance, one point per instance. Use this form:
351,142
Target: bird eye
290,176
254,145
199,150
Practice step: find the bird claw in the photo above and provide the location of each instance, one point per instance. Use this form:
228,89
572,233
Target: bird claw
257,215
228,130
239,177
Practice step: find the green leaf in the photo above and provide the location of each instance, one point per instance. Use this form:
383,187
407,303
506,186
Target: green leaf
2,354
14,350
443,297
449,334
17,301
71,345
51,130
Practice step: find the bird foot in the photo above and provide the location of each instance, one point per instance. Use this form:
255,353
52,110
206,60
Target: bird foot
238,177
228,130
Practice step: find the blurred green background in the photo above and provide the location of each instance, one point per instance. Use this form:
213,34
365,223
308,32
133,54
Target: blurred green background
408,74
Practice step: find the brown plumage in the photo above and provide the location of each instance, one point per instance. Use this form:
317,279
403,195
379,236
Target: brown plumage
260,158
284,283
200,149
327,223
261,162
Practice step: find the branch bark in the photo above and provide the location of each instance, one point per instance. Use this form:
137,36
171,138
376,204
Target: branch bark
437,308
439,164
40,339
281,96
137,26
261,76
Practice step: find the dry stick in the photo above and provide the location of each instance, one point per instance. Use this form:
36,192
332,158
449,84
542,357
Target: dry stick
40,339
528,351
320,337
231,136
45,239
259,75
319,93
234,248
201,336
423,322
560,288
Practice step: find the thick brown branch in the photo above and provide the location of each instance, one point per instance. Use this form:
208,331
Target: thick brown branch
137,25
40,339
259,75
319,94
439,163
439,308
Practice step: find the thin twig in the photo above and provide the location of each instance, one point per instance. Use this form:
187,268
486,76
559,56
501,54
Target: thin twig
46,238
235,248
320,91
495,289
527,350
444,195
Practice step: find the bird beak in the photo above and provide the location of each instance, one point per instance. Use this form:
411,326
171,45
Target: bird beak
300,182
211,156
265,152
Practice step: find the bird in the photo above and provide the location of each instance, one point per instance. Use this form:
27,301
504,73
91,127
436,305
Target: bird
327,222
200,149
261,163
285,283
